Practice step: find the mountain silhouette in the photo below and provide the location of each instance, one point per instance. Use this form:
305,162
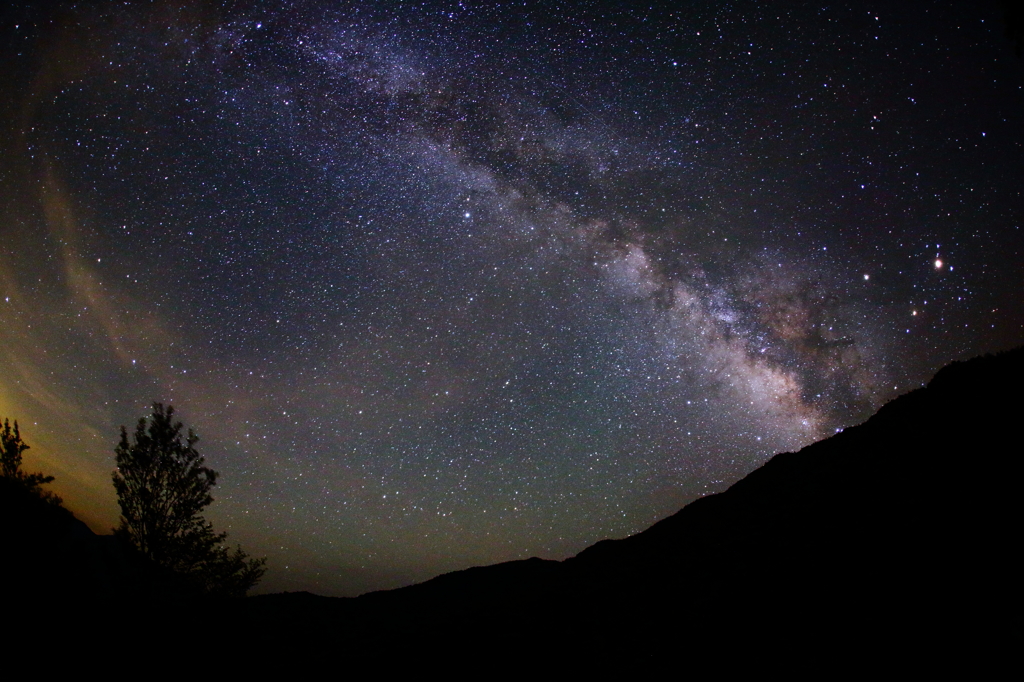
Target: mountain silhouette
894,540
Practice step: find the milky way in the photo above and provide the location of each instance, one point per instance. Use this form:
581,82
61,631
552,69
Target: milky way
441,286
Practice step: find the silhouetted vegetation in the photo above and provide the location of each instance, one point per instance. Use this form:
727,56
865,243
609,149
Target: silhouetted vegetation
11,447
45,557
162,487
53,563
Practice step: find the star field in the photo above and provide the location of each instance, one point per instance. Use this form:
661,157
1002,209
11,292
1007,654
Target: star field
441,285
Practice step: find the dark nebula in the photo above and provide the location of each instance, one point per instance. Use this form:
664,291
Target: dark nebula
441,285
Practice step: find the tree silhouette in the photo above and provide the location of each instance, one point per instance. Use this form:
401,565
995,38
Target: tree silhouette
162,487
11,447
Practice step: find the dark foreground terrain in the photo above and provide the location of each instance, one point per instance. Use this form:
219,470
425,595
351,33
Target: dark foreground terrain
896,540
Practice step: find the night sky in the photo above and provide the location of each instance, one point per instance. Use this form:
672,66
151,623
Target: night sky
441,285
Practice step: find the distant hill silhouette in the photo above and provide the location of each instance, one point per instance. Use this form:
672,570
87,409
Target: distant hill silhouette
897,539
